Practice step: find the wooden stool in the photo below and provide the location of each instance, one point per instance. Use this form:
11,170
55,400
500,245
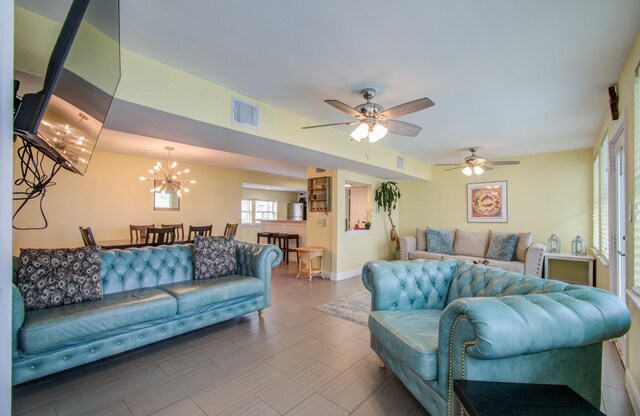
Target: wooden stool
265,234
306,255
282,241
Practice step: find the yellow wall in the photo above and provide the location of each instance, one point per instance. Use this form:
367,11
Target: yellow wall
110,197
547,193
248,232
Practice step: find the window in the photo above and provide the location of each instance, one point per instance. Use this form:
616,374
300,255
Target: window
604,198
254,210
636,185
596,203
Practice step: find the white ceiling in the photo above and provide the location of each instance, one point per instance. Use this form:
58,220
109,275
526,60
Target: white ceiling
511,77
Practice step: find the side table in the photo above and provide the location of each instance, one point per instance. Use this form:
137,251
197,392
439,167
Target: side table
587,278
490,398
306,255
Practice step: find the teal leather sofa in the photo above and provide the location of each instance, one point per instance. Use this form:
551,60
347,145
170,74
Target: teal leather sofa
432,322
149,294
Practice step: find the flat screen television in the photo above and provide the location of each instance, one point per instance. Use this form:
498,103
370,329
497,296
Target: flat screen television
63,120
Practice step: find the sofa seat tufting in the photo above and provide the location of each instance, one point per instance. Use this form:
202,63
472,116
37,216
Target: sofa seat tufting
49,328
194,295
413,335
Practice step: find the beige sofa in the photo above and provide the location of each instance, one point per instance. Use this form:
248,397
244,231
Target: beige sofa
527,259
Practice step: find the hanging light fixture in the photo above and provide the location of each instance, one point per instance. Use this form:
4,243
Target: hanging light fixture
374,130
169,177
467,170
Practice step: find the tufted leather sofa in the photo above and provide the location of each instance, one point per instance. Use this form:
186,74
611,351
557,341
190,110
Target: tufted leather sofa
149,294
432,322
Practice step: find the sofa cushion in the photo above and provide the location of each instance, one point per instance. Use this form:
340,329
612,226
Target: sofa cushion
470,244
421,239
510,266
524,242
439,241
193,295
502,246
51,328
412,336
424,255
214,256
55,277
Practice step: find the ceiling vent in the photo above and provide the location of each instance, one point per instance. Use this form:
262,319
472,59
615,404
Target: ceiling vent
320,170
245,114
400,162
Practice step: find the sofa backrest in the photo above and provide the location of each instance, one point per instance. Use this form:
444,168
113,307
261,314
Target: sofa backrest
136,268
476,280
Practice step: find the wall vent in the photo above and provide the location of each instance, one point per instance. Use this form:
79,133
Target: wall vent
320,170
245,114
400,162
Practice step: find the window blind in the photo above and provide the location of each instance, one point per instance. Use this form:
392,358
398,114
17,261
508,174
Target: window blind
604,198
596,202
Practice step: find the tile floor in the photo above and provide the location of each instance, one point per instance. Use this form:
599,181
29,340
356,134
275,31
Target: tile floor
298,361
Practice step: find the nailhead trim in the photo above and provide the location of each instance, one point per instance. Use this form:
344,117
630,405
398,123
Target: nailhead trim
464,350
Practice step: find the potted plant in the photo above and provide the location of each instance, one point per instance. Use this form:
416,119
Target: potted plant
367,222
386,197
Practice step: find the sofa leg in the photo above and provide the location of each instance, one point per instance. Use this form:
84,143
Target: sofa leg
380,362
261,314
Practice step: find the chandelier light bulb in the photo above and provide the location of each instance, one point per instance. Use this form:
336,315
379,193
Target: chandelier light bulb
143,178
167,178
467,171
478,170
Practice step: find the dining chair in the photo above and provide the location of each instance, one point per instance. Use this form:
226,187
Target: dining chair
195,230
178,234
159,235
87,237
230,230
140,231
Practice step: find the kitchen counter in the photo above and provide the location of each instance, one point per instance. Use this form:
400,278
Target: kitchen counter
286,226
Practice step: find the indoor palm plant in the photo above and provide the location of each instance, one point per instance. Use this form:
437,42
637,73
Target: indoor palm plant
386,197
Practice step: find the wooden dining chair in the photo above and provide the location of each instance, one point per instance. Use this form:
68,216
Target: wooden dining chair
87,237
195,230
140,231
178,234
159,235
230,230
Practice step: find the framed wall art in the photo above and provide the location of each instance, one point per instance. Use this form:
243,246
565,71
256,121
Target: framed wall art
487,202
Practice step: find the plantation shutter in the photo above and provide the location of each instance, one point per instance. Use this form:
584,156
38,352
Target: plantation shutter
604,198
636,186
596,202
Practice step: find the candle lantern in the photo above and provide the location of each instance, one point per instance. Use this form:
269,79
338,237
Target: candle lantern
579,246
553,244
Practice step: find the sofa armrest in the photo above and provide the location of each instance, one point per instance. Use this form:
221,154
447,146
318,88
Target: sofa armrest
257,260
17,318
407,244
508,326
534,260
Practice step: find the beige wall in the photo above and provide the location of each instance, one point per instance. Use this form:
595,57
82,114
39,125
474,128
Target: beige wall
110,197
547,193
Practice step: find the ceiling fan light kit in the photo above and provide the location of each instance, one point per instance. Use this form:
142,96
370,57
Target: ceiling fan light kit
374,122
475,164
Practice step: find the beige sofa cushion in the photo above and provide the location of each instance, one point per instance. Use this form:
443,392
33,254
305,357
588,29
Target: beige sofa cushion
425,255
470,244
524,242
421,239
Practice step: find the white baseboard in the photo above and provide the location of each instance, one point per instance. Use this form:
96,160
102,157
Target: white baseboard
346,274
632,389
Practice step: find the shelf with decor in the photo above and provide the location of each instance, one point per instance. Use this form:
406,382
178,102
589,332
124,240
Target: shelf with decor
318,194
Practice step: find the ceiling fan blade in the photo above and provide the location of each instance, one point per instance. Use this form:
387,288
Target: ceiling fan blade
504,162
347,123
448,164
406,108
344,108
456,168
486,167
402,128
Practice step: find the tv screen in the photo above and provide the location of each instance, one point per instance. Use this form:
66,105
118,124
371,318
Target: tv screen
64,118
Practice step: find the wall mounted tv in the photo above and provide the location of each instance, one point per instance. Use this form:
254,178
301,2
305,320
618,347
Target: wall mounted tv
64,118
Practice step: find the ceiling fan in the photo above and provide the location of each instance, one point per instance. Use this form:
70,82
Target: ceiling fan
374,121
477,164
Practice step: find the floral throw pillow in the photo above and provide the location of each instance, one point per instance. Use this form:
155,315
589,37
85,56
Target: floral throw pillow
214,256
55,277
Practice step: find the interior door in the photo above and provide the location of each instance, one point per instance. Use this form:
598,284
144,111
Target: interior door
618,238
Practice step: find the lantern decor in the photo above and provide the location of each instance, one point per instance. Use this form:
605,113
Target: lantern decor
553,244
579,246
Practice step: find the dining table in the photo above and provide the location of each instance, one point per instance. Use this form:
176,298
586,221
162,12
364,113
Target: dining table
128,243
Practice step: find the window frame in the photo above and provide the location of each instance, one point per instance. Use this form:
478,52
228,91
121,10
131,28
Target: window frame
253,211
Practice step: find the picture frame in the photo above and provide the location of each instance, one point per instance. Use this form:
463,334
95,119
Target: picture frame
487,202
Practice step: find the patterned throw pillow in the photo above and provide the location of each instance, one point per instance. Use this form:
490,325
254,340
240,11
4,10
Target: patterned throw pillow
440,241
214,256
502,246
55,277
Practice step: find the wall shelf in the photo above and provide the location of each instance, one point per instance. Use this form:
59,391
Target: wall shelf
318,194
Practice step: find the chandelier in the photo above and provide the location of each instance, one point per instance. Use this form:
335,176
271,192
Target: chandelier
168,177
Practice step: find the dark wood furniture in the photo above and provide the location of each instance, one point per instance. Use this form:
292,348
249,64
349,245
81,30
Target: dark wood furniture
126,243
265,234
230,230
283,241
195,230
489,398
159,235
178,230
139,232
87,237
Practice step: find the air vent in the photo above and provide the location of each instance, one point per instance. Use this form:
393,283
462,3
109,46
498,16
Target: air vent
245,114
400,162
320,170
